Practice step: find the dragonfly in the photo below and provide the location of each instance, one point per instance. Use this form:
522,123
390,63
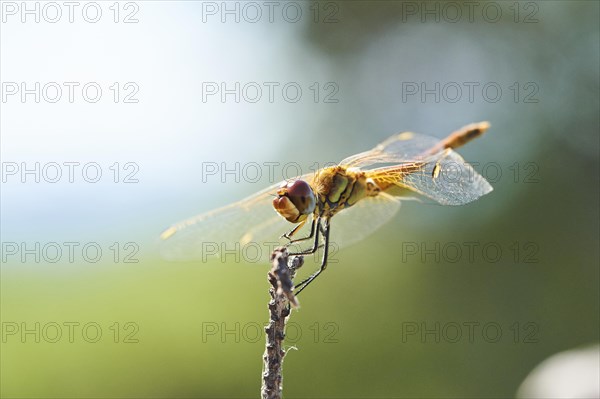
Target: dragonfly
357,196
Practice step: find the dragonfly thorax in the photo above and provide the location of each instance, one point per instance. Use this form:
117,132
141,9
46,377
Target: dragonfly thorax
338,188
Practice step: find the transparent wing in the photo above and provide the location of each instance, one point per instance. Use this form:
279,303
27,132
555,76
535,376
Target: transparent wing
444,177
362,219
245,231
401,147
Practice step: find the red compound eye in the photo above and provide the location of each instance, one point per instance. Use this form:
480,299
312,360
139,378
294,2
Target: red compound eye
302,196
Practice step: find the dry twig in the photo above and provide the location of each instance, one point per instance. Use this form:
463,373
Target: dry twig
282,297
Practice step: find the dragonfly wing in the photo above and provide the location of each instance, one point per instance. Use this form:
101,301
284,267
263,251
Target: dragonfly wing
232,232
401,147
444,177
362,219
448,180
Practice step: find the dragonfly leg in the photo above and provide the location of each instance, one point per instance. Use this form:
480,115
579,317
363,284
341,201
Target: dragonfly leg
316,243
303,284
289,234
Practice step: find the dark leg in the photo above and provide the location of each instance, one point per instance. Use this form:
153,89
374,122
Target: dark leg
316,243
303,284
289,234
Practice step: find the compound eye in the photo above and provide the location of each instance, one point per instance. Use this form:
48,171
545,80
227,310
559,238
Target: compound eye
302,196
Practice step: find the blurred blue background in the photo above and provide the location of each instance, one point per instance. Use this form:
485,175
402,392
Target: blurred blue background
381,321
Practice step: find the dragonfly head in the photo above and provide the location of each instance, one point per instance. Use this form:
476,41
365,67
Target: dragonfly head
295,201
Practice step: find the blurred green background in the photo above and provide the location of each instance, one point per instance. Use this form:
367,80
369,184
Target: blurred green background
194,327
